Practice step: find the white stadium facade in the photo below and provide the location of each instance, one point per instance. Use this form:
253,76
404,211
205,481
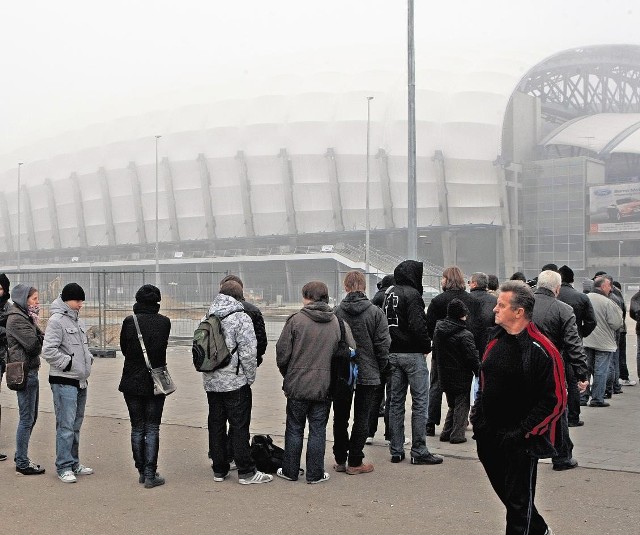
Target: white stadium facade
503,184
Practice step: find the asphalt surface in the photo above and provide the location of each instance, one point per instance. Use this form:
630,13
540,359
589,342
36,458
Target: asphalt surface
601,496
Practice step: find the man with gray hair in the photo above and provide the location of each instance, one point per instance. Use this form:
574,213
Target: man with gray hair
557,322
486,303
600,345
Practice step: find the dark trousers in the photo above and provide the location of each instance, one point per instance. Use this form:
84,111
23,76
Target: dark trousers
298,412
564,445
347,447
622,348
234,408
381,397
455,424
573,394
145,413
512,474
435,395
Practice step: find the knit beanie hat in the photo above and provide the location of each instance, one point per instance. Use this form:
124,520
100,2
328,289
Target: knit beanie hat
549,267
566,274
72,292
4,282
457,309
148,294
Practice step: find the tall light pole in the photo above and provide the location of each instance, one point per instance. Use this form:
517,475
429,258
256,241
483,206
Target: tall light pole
412,210
619,257
19,214
367,259
157,250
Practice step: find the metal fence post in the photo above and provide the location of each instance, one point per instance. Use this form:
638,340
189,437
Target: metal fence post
104,317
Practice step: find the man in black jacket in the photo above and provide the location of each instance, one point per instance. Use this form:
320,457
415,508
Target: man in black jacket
386,281
556,321
410,343
486,303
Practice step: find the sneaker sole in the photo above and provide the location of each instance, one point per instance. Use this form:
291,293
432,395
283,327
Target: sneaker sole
67,481
249,482
219,479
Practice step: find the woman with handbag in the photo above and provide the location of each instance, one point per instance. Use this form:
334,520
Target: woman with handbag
24,345
137,385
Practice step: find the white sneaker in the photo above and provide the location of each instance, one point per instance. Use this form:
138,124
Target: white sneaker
369,440
82,470
280,473
325,477
627,382
406,441
67,477
232,465
220,479
258,477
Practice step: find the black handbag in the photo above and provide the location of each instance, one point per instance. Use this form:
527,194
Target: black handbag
162,382
17,375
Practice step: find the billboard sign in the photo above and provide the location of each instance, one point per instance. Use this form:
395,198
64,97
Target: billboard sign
614,208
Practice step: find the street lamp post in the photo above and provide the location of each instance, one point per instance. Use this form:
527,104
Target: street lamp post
157,250
19,215
412,210
367,259
619,257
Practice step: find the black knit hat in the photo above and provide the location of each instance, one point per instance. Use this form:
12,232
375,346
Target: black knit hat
4,282
148,294
550,267
566,274
72,292
457,309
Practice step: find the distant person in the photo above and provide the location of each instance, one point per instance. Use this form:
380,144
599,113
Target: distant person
4,308
410,344
382,286
458,362
145,408
485,305
624,378
371,334
518,276
492,285
24,344
618,367
634,312
516,412
229,389
66,350
303,354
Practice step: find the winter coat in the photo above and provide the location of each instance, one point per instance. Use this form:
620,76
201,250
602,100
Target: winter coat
485,303
378,299
634,311
557,322
258,328
238,332
304,351
404,308
370,330
5,304
582,308
65,347
438,311
616,296
155,328
608,321
458,358
24,337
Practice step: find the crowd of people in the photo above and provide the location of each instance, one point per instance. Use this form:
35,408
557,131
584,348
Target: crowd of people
519,363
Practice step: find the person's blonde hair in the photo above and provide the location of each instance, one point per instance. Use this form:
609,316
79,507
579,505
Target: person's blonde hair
355,281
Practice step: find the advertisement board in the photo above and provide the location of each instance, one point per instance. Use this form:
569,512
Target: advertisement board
614,208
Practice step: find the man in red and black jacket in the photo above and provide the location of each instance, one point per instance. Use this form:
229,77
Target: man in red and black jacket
515,417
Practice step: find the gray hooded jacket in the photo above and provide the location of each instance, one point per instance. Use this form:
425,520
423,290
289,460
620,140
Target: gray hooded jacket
65,346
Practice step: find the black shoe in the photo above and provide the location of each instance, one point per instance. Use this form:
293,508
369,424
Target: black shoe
568,465
599,404
429,458
607,395
397,458
618,391
431,430
579,423
3,457
444,438
460,440
583,403
31,470
154,481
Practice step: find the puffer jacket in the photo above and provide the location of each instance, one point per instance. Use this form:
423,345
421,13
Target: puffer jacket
24,338
155,328
458,358
66,348
304,351
239,335
370,330
557,322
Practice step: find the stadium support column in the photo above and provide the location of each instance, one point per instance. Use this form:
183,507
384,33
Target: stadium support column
28,213
107,208
290,296
288,182
448,238
77,197
509,216
205,186
385,187
245,194
334,185
4,213
170,200
53,214
136,192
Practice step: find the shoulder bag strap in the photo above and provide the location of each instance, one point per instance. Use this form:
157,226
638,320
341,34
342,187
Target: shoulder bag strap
341,325
144,348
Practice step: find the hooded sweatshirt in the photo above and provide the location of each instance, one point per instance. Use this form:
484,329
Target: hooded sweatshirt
66,348
24,337
239,335
371,333
458,358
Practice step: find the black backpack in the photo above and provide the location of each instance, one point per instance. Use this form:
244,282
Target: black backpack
267,456
344,367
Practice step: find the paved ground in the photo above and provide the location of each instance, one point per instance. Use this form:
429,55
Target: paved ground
600,497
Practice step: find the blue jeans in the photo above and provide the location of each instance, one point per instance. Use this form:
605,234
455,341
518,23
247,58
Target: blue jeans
68,403
409,370
599,362
298,412
613,383
28,410
145,413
